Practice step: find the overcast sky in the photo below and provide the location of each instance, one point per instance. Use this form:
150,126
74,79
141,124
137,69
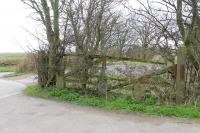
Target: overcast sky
13,15
13,38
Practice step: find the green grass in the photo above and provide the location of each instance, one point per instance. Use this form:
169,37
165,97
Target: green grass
126,104
11,56
8,61
7,68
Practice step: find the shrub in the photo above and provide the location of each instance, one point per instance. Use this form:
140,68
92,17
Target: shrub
27,64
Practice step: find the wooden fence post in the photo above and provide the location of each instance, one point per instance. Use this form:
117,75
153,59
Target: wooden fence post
180,77
102,81
60,76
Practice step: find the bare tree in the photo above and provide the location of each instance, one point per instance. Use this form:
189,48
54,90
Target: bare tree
48,13
92,25
178,22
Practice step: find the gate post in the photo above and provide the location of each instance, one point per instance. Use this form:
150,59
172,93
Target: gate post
102,83
180,77
60,76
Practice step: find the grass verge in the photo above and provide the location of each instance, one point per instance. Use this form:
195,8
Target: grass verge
126,104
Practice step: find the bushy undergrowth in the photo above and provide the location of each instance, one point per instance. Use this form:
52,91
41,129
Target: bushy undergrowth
116,103
26,65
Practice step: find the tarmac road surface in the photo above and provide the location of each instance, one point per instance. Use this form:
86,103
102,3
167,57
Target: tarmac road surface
23,114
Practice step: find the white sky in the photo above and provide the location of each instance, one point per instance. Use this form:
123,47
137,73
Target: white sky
13,16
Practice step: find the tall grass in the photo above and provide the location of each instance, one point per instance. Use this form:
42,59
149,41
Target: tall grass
26,65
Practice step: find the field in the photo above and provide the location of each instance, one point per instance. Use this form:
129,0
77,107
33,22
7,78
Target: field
8,61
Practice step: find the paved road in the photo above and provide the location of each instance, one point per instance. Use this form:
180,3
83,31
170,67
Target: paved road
23,114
